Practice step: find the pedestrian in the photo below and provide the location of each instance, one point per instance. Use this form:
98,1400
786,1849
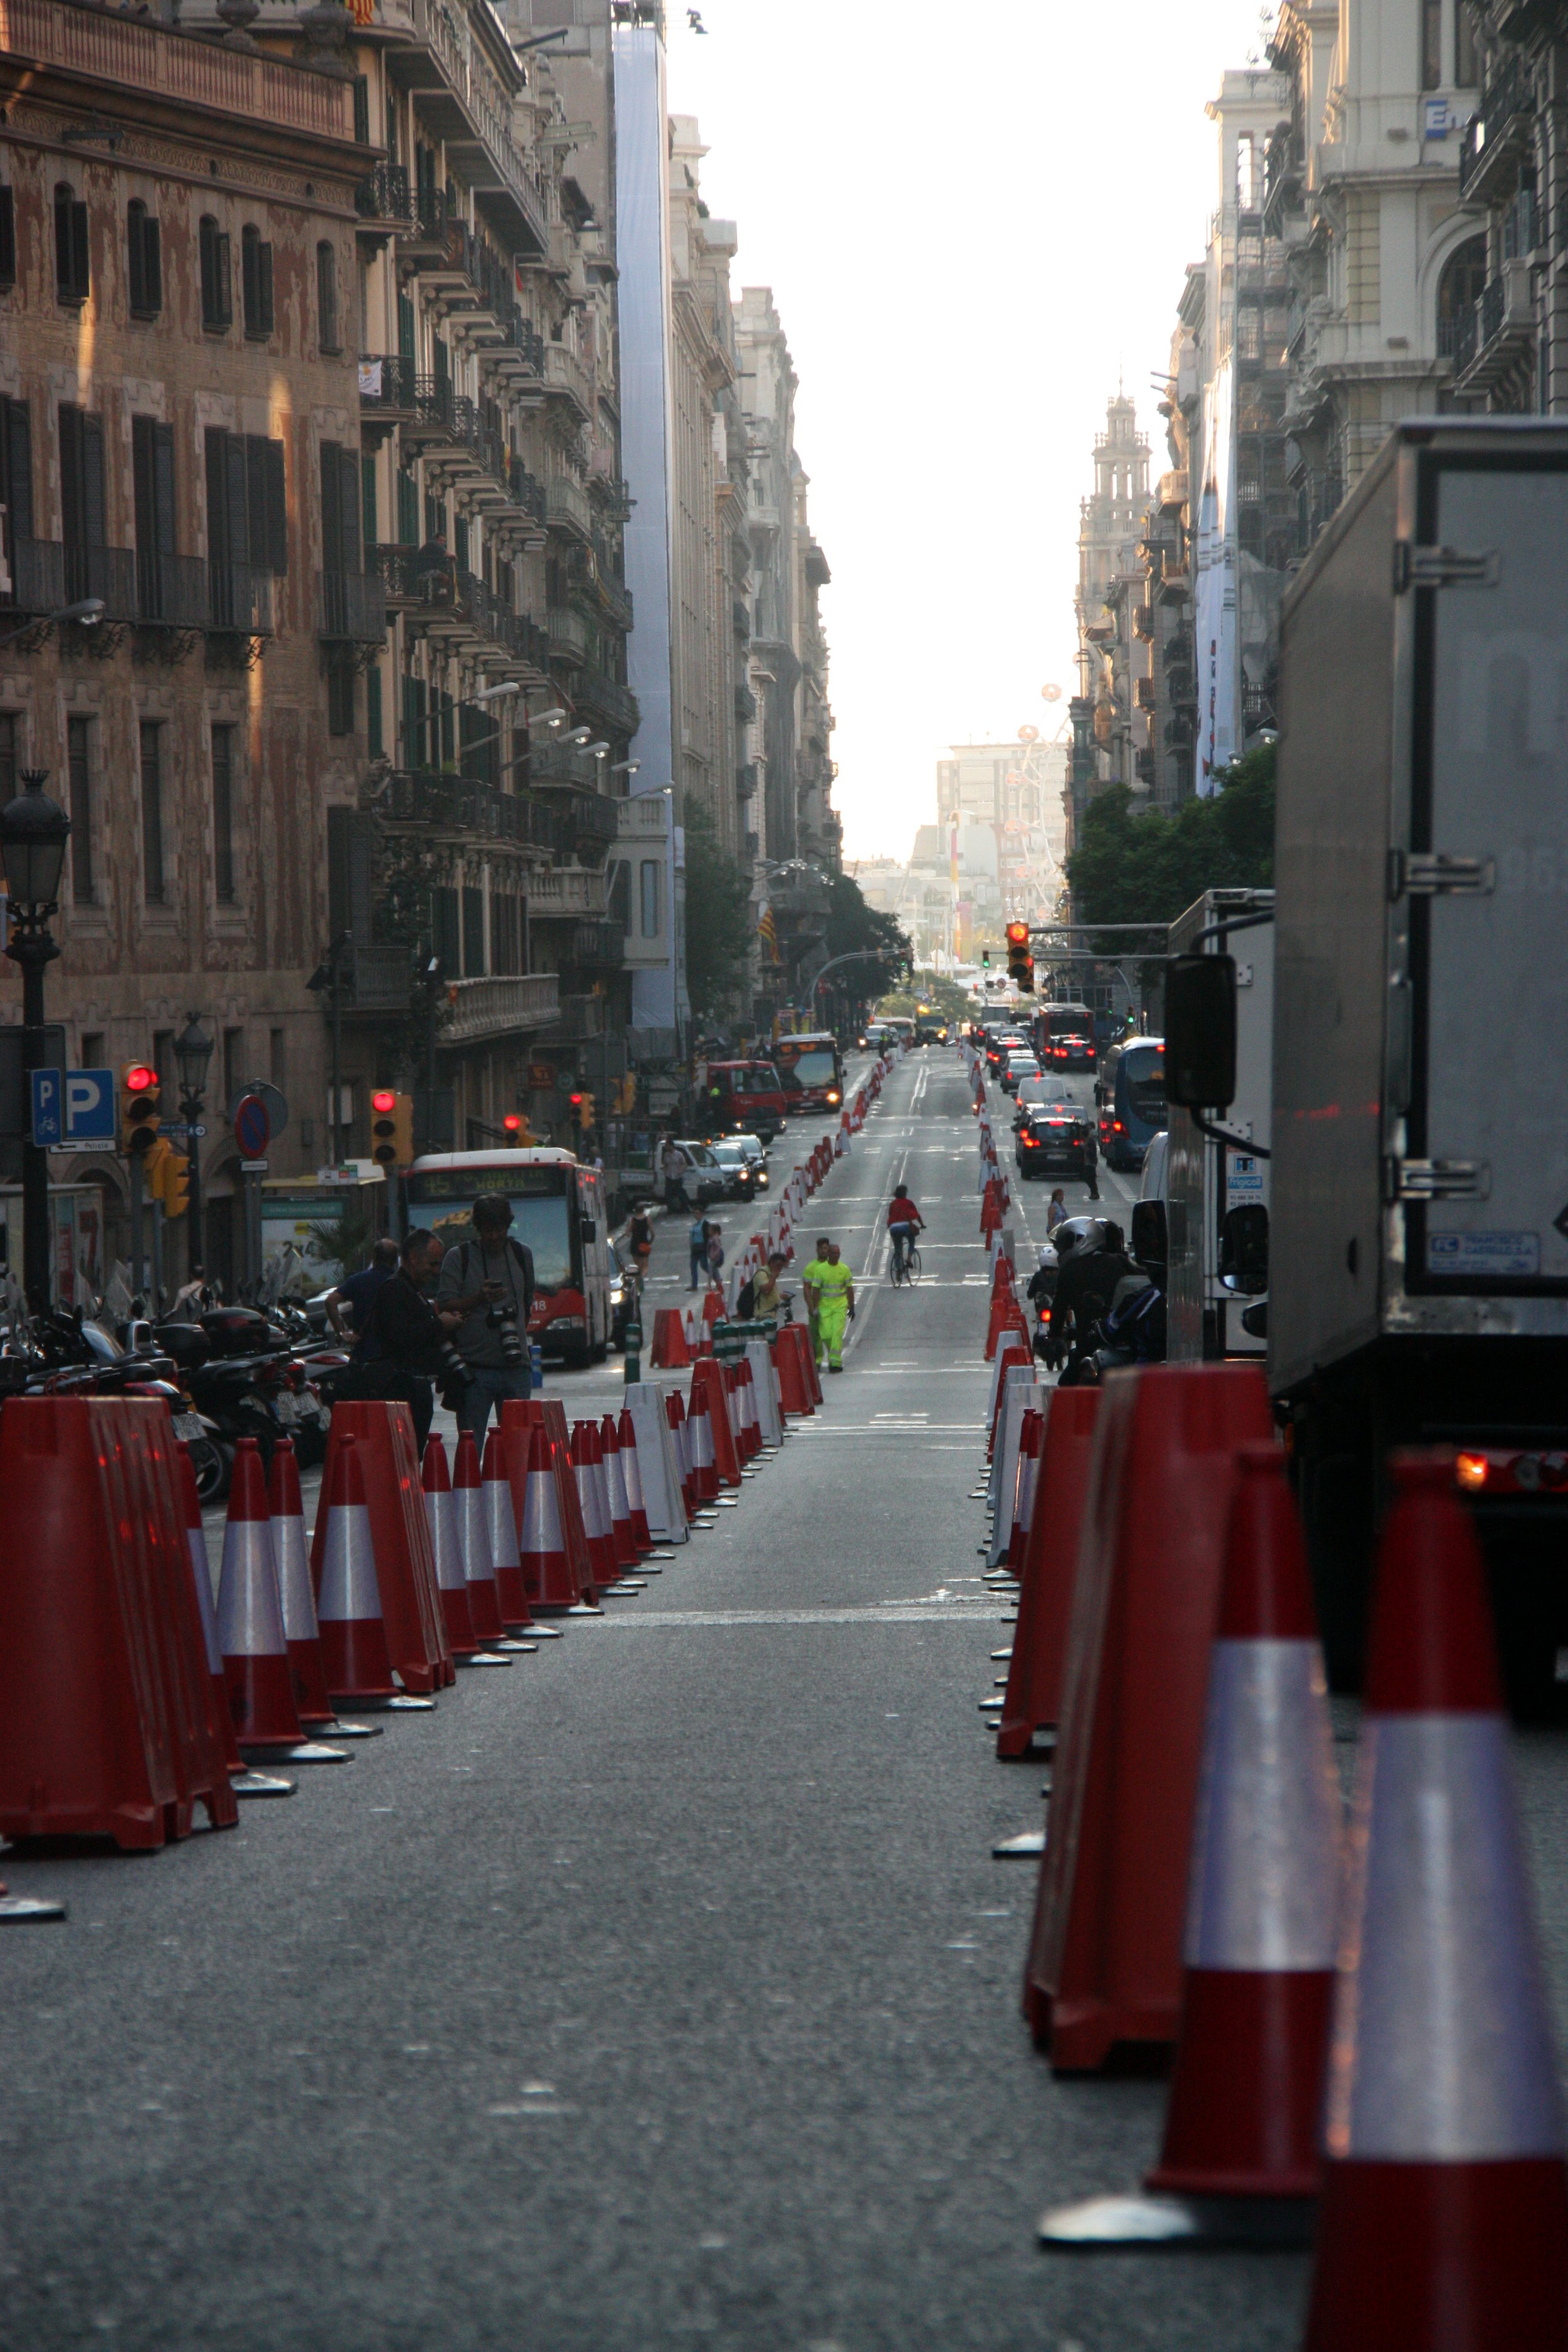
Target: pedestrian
640,1235
715,1256
355,1298
433,567
767,1298
812,1294
411,1333
675,1164
487,1283
1056,1210
835,1306
697,1251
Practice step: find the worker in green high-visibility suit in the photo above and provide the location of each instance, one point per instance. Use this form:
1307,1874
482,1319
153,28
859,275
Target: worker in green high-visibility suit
830,1296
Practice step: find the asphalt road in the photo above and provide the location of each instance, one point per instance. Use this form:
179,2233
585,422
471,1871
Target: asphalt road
658,1989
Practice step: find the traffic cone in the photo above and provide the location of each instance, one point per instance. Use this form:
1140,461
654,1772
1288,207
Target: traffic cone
670,1352
1045,1580
674,1413
451,1578
1105,1959
631,1470
794,1395
1031,1437
595,1516
700,1436
474,1543
291,1558
356,1661
708,1384
621,1530
501,1515
411,1608
1444,2220
254,1648
542,1544
1239,2163
242,1780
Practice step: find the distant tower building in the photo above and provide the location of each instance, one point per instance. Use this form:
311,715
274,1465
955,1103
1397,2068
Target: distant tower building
1109,658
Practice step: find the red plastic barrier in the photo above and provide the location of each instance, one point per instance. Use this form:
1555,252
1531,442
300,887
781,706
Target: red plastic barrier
108,1721
669,1352
1105,1962
549,1414
1050,1559
405,1563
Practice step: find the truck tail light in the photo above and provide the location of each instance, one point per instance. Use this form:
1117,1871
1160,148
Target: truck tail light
1470,1470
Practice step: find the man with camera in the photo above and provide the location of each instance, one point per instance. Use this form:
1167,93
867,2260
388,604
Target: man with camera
488,1282
413,1345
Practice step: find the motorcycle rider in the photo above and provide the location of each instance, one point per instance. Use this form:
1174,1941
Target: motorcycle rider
1086,1287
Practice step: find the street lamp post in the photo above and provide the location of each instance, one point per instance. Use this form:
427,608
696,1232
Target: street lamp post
192,1053
34,831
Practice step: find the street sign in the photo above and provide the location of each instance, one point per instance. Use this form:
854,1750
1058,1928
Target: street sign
179,1129
48,1110
90,1106
276,1103
252,1126
253,1166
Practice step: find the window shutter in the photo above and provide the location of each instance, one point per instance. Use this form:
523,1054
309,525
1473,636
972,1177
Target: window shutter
362,111
142,484
405,328
473,933
225,278
18,464
234,499
249,277
217,495
152,264
255,499
331,523
8,237
82,267
163,487
367,501
134,216
348,505
264,285
206,248
349,844
92,479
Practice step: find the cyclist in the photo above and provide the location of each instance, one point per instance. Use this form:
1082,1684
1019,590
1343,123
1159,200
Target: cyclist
904,1221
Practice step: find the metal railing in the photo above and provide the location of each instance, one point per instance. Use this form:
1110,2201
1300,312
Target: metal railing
386,384
450,805
239,600
564,372
597,691
171,589
46,576
385,194
351,606
1507,91
568,634
600,945
566,506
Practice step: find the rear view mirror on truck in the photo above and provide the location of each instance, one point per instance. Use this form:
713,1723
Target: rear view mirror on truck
1244,1250
1149,1245
1200,1032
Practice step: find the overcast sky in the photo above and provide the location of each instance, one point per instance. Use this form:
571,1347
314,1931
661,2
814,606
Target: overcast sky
971,217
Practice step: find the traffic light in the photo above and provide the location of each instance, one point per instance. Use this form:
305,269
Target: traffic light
582,1108
390,1128
139,1109
169,1177
1020,963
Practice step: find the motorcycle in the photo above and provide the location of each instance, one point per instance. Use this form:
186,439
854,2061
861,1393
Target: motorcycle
67,1353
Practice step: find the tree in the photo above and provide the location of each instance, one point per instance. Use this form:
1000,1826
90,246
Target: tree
1150,868
854,928
718,917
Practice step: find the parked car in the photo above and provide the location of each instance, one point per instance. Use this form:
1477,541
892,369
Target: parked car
705,1179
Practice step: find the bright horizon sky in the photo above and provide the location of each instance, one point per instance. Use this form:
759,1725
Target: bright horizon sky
972,222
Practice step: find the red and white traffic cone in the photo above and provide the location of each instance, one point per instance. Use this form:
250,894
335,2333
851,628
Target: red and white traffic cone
627,1550
1239,2164
704,1465
251,1624
595,1512
1444,2206
355,1659
244,1782
474,1546
451,1576
631,1470
680,1429
500,1518
291,1553
546,1563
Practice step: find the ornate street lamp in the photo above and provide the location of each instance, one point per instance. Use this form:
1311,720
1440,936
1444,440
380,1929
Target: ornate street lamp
34,831
192,1053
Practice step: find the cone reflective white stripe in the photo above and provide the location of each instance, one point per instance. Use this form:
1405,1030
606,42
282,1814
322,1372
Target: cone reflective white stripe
501,1525
450,1574
542,1532
658,1464
765,1387
615,1488
631,1466
1439,2057
1264,1889
292,1556
250,1607
350,1593
474,1544
201,1570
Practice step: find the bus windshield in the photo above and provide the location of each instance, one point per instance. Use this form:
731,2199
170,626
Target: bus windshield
815,1069
1143,1070
441,1200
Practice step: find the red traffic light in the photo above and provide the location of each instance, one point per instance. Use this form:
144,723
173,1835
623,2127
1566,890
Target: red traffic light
384,1102
140,1080
512,1123
577,1102
1017,935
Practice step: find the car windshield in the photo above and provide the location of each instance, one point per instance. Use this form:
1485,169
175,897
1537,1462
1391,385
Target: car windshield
751,1145
729,1154
1045,1091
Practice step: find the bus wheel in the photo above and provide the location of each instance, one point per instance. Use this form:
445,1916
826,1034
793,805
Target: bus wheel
598,1351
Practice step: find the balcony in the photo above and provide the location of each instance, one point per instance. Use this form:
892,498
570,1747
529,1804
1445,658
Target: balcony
1497,332
511,344
498,1007
745,705
1498,133
378,979
741,620
566,508
597,946
45,577
463,97
351,608
568,634
612,494
388,389
239,600
577,1019
171,591
746,781
1143,693
384,200
1143,622
565,890
616,706
1172,491
567,378
155,69
457,809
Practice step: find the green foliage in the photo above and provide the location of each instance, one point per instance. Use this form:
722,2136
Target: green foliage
853,925
348,1238
1150,868
945,999
718,917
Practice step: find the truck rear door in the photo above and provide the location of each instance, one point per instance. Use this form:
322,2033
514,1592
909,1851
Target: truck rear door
1486,880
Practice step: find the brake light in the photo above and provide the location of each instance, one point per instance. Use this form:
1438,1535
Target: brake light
1470,1470
1117,1127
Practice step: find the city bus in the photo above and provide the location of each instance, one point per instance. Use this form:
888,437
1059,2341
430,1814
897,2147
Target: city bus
558,1213
812,1069
1064,1037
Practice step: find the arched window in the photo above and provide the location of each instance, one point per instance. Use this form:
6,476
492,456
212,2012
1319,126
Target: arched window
1460,290
72,272
327,334
145,260
217,295
256,280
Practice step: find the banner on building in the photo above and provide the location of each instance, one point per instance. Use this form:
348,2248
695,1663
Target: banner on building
1215,589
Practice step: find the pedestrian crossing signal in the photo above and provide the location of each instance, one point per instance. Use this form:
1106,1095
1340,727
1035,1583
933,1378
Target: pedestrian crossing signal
390,1128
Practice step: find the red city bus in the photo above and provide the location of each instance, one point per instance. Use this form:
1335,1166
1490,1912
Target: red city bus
812,1069
1064,1037
558,1211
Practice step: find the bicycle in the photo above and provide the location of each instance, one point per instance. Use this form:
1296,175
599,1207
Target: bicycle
905,1268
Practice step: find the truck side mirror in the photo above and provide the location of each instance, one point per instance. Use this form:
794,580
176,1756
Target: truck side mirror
1149,1241
1244,1249
1200,1032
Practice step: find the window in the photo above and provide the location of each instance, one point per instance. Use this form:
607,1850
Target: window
15,476
473,933
10,753
504,933
342,497
375,742
93,1045
367,501
256,280
407,510
327,334
153,478
247,515
362,111
72,268
1431,43
650,897
1460,290
218,283
223,815
233,1063
7,237
405,327
340,697
145,260
152,811
444,929
620,896
81,501
79,771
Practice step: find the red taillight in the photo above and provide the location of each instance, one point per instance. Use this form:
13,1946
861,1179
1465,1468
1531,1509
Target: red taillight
1470,1470
1117,1127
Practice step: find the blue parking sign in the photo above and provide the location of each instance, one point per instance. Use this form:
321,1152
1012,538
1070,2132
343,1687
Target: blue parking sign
48,1110
90,1111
